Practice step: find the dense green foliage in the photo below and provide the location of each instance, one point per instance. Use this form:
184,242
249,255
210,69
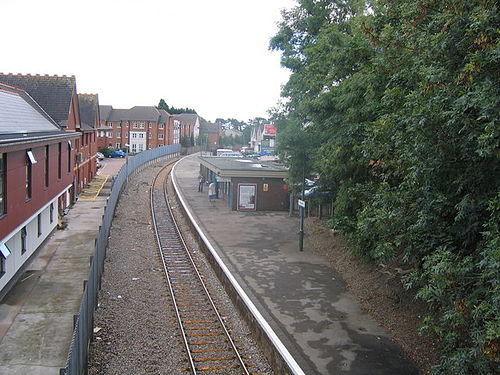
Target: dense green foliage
172,110
395,105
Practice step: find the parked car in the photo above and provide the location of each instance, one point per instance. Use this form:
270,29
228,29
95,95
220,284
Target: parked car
99,155
117,154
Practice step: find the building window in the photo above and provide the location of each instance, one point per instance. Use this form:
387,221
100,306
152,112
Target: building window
126,135
30,160
59,160
150,125
118,135
70,148
150,135
160,126
160,145
4,253
51,213
119,125
46,171
141,135
39,224
109,134
160,136
3,186
23,240
110,124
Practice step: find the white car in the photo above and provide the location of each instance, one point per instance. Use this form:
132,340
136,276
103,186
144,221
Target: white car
99,155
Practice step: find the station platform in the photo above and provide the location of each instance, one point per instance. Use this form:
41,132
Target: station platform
36,315
299,295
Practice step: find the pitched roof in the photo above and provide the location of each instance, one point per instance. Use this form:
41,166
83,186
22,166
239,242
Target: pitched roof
22,120
187,117
104,112
140,113
117,115
19,113
164,116
208,127
89,106
52,93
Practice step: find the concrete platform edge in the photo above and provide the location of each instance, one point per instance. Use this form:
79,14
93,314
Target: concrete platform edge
278,354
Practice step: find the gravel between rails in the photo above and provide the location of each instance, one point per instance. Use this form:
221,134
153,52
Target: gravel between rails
135,329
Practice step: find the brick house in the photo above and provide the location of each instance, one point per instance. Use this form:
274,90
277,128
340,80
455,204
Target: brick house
211,132
57,95
36,177
143,127
187,124
89,121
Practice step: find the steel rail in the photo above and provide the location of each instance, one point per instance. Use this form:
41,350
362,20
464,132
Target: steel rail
197,275
170,287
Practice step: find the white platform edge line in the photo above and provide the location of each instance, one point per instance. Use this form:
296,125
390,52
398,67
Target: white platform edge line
292,364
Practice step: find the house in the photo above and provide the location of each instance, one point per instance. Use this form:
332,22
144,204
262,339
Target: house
36,178
89,121
263,139
211,132
58,97
187,124
143,127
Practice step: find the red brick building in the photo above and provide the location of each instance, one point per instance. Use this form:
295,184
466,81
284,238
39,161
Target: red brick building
143,127
211,132
58,97
36,177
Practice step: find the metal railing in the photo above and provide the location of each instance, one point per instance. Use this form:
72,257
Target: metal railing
83,322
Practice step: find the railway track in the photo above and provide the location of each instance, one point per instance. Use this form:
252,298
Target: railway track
208,343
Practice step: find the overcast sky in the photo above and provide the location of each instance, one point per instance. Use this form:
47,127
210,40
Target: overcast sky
210,55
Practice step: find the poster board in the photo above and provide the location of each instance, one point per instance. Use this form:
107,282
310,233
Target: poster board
247,197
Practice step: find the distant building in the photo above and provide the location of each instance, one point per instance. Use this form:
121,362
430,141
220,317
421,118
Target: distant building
36,178
211,132
263,139
143,127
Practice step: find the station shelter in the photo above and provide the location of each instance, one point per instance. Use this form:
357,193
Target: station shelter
247,184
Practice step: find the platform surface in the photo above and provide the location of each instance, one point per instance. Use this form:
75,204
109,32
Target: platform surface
300,296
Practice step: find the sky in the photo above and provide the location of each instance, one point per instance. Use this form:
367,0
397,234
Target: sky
210,55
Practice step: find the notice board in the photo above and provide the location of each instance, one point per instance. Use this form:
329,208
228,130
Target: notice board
247,197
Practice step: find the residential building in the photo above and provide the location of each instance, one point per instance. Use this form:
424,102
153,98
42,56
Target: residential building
211,132
36,177
263,139
58,97
143,127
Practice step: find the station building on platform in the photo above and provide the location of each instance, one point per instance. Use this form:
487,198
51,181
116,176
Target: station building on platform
247,184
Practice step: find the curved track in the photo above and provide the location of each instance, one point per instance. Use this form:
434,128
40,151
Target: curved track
209,346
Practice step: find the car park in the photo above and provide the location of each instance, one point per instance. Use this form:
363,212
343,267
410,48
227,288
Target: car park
117,154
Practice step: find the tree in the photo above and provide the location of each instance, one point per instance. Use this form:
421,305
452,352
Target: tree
398,102
172,110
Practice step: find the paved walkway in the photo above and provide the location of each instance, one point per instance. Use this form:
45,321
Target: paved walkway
36,316
300,296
